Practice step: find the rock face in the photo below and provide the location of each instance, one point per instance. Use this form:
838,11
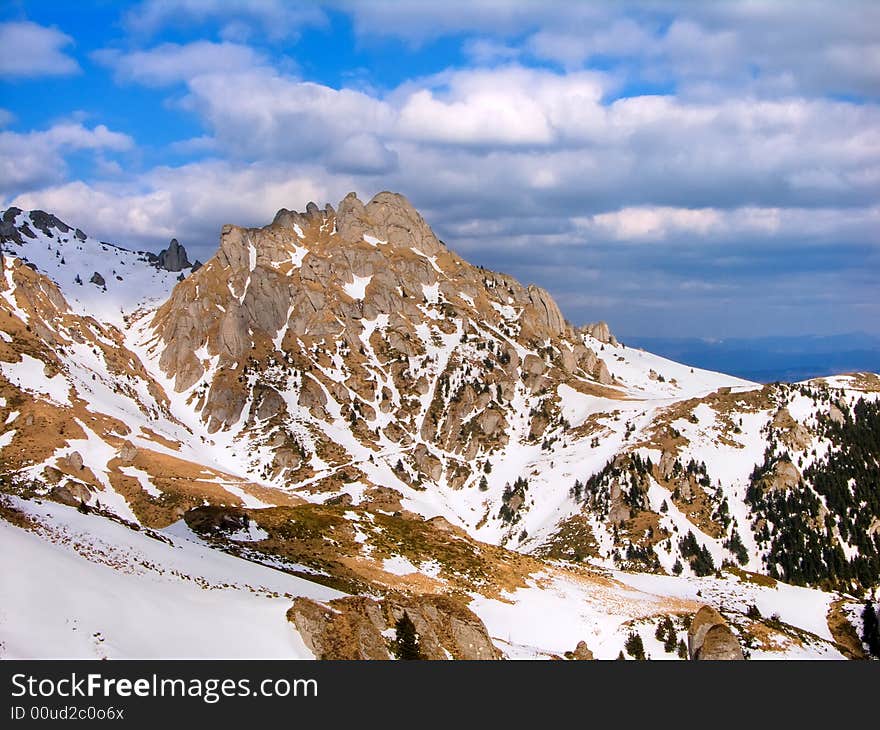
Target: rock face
46,222
320,302
710,637
173,258
358,627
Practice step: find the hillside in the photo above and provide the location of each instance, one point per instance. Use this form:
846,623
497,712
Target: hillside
337,404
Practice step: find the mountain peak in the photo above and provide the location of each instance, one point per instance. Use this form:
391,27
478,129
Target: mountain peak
388,218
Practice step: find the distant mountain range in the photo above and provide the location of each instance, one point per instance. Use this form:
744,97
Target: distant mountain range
772,359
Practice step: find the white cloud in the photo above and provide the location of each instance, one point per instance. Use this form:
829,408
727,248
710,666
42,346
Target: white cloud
171,63
36,158
507,106
190,202
572,46
28,50
279,116
240,19
656,222
418,21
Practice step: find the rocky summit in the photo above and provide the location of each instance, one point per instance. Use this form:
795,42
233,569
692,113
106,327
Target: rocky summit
352,437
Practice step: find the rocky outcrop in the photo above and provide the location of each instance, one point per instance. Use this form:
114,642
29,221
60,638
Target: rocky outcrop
72,493
47,222
581,653
44,222
784,475
173,258
358,627
599,331
8,229
98,280
544,313
792,433
845,635
388,217
711,638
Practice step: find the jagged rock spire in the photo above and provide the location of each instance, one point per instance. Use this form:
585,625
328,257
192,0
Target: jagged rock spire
173,258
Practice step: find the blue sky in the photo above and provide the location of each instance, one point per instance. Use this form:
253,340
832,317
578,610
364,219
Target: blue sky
677,169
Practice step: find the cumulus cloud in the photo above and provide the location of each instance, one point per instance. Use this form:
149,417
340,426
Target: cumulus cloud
190,202
548,134
31,159
171,63
29,50
507,106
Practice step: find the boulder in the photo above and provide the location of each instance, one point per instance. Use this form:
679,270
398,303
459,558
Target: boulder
74,461
602,374
127,452
72,493
339,500
427,463
358,627
582,652
533,365
710,637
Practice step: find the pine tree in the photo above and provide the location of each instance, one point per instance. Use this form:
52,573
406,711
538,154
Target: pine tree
634,646
660,633
682,650
406,642
871,629
669,630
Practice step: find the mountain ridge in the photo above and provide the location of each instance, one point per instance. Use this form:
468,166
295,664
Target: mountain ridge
361,407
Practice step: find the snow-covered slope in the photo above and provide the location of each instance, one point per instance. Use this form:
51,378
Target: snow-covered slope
126,280
82,586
